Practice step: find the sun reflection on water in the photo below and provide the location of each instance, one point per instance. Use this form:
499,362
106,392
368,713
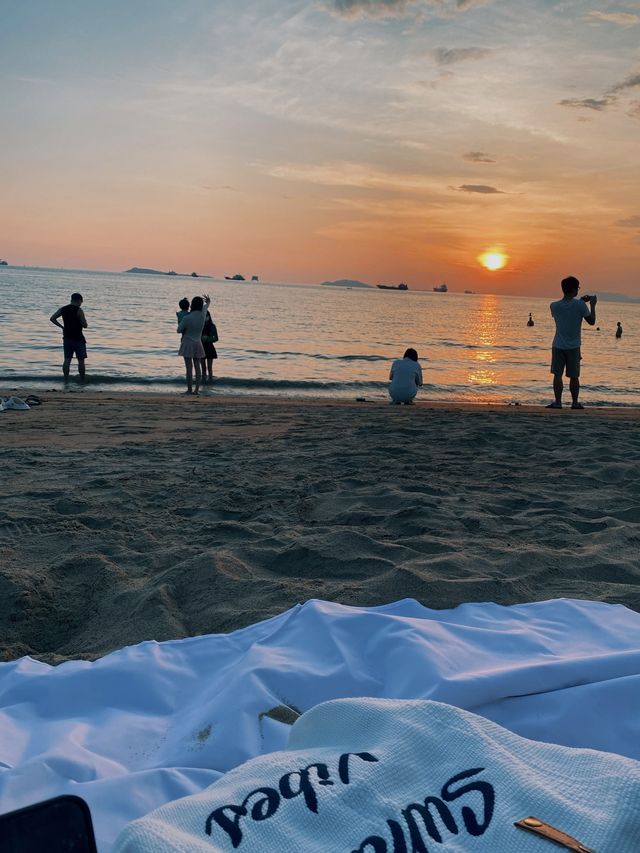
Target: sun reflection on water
483,331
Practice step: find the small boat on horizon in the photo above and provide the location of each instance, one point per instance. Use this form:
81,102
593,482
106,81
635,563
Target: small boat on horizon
401,286
441,288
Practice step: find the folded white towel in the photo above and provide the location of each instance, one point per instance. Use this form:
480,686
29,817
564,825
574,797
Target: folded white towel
388,776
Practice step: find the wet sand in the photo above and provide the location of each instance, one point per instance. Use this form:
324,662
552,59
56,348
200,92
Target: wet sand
127,517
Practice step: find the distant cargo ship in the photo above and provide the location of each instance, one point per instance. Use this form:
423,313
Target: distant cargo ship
401,286
442,288
236,277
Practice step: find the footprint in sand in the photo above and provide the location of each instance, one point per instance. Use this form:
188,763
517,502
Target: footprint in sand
70,506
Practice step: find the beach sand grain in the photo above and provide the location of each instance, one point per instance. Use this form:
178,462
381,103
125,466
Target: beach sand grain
128,517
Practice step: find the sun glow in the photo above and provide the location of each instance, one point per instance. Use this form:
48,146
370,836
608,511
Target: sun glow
493,259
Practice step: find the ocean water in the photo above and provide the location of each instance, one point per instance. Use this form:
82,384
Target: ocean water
301,340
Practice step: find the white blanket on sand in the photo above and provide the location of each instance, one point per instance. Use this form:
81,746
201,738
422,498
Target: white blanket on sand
154,722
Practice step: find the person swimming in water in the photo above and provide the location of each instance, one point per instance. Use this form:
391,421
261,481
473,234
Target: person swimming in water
619,330
530,321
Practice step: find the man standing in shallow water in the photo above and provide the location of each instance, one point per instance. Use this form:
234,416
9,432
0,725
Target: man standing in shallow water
72,337
569,312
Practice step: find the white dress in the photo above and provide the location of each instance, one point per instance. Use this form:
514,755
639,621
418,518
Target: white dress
192,325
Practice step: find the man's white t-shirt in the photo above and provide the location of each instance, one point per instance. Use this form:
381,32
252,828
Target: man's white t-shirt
405,373
568,314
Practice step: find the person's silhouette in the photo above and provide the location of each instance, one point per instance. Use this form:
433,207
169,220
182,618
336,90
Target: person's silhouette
568,313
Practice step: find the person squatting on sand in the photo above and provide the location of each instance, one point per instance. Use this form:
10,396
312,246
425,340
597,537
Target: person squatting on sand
406,378
569,312
209,337
73,340
191,348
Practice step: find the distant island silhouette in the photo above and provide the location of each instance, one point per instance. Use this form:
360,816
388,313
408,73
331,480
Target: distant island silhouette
345,282
145,271
616,297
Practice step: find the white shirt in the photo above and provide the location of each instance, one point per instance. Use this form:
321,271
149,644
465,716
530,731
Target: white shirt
568,314
406,375
192,324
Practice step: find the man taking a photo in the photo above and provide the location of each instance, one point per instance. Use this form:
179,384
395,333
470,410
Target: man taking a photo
569,312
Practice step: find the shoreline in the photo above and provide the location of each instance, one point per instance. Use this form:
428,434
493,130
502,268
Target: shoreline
141,516
90,395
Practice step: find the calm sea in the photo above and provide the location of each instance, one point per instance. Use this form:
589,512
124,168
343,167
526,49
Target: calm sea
299,340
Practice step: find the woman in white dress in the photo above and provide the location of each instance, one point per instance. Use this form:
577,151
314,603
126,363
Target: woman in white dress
406,378
191,348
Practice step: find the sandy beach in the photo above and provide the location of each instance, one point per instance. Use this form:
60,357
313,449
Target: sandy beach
127,517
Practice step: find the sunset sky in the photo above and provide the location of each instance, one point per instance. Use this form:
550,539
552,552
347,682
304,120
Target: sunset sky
304,140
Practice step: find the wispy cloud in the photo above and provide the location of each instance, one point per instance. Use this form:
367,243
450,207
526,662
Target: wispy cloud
452,55
598,104
608,98
631,82
630,222
478,157
622,19
356,175
397,8
482,189
370,8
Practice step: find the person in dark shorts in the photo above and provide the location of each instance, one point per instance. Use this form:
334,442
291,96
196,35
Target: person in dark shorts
73,323
569,312
209,337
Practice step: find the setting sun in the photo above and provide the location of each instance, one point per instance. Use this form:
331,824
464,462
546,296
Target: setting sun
493,260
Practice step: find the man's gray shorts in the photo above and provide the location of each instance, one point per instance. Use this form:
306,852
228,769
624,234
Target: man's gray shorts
565,361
